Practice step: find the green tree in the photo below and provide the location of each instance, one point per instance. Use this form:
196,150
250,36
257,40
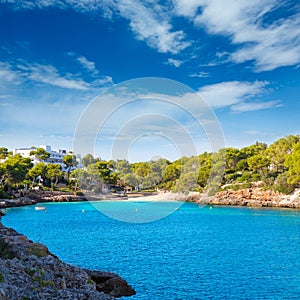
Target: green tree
87,160
4,153
54,173
258,163
278,151
242,165
41,154
230,156
40,169
130,180
293,163
122,167
142,169
79,178
281,184
251,150
169,177
70,162
101,171
191,165
187,182
14,170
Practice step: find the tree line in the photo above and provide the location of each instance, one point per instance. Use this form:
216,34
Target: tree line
276,167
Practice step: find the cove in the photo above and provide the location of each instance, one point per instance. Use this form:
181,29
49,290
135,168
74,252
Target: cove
193,253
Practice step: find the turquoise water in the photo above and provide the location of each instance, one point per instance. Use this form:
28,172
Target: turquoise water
194,253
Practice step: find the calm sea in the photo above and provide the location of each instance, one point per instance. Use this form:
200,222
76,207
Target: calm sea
194,253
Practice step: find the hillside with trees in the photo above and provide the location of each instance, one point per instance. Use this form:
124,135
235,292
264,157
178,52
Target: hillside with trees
276,167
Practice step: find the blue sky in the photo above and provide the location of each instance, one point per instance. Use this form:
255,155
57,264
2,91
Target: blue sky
242,57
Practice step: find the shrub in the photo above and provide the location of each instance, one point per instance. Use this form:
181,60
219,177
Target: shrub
245,177
38,250
6,250
255,177
4,195
281,185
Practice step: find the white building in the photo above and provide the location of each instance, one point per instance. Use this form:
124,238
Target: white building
56,156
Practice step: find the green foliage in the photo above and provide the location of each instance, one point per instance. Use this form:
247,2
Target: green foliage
130,180
14,170
38,250
278,151
187,182
70,162
87,160
42,282
6,250
39,170
245,177
4,153
122,166
141,169
29,271
258,163
1,277
4,195
292,161
54,173
170,176
242,165
40,153
281,184
277,166
236,187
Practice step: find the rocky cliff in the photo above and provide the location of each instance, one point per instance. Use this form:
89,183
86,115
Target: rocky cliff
29,271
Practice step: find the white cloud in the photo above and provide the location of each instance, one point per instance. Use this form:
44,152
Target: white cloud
83,5
244,106
174,62
103,81
49,74
88,65
151,23
269,45
231,92
201,75
13,74
186,8
8,76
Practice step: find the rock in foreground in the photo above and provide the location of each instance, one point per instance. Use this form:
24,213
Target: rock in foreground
29,271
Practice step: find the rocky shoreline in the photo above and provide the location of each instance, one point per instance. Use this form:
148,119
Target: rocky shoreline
253,197
43,196
29,271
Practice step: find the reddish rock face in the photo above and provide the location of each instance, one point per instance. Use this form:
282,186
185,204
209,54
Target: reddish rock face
255,197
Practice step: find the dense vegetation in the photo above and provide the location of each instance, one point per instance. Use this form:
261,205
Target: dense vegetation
276,167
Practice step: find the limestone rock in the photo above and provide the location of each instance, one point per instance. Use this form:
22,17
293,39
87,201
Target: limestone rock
111,284
29,271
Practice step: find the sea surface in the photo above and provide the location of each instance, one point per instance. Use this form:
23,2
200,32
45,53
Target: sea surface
193,253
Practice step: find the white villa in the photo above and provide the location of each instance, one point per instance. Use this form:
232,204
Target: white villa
56,156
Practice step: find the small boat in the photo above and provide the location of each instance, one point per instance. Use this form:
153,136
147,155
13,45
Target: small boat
40,208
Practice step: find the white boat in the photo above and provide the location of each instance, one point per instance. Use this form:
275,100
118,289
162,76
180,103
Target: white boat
40,208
